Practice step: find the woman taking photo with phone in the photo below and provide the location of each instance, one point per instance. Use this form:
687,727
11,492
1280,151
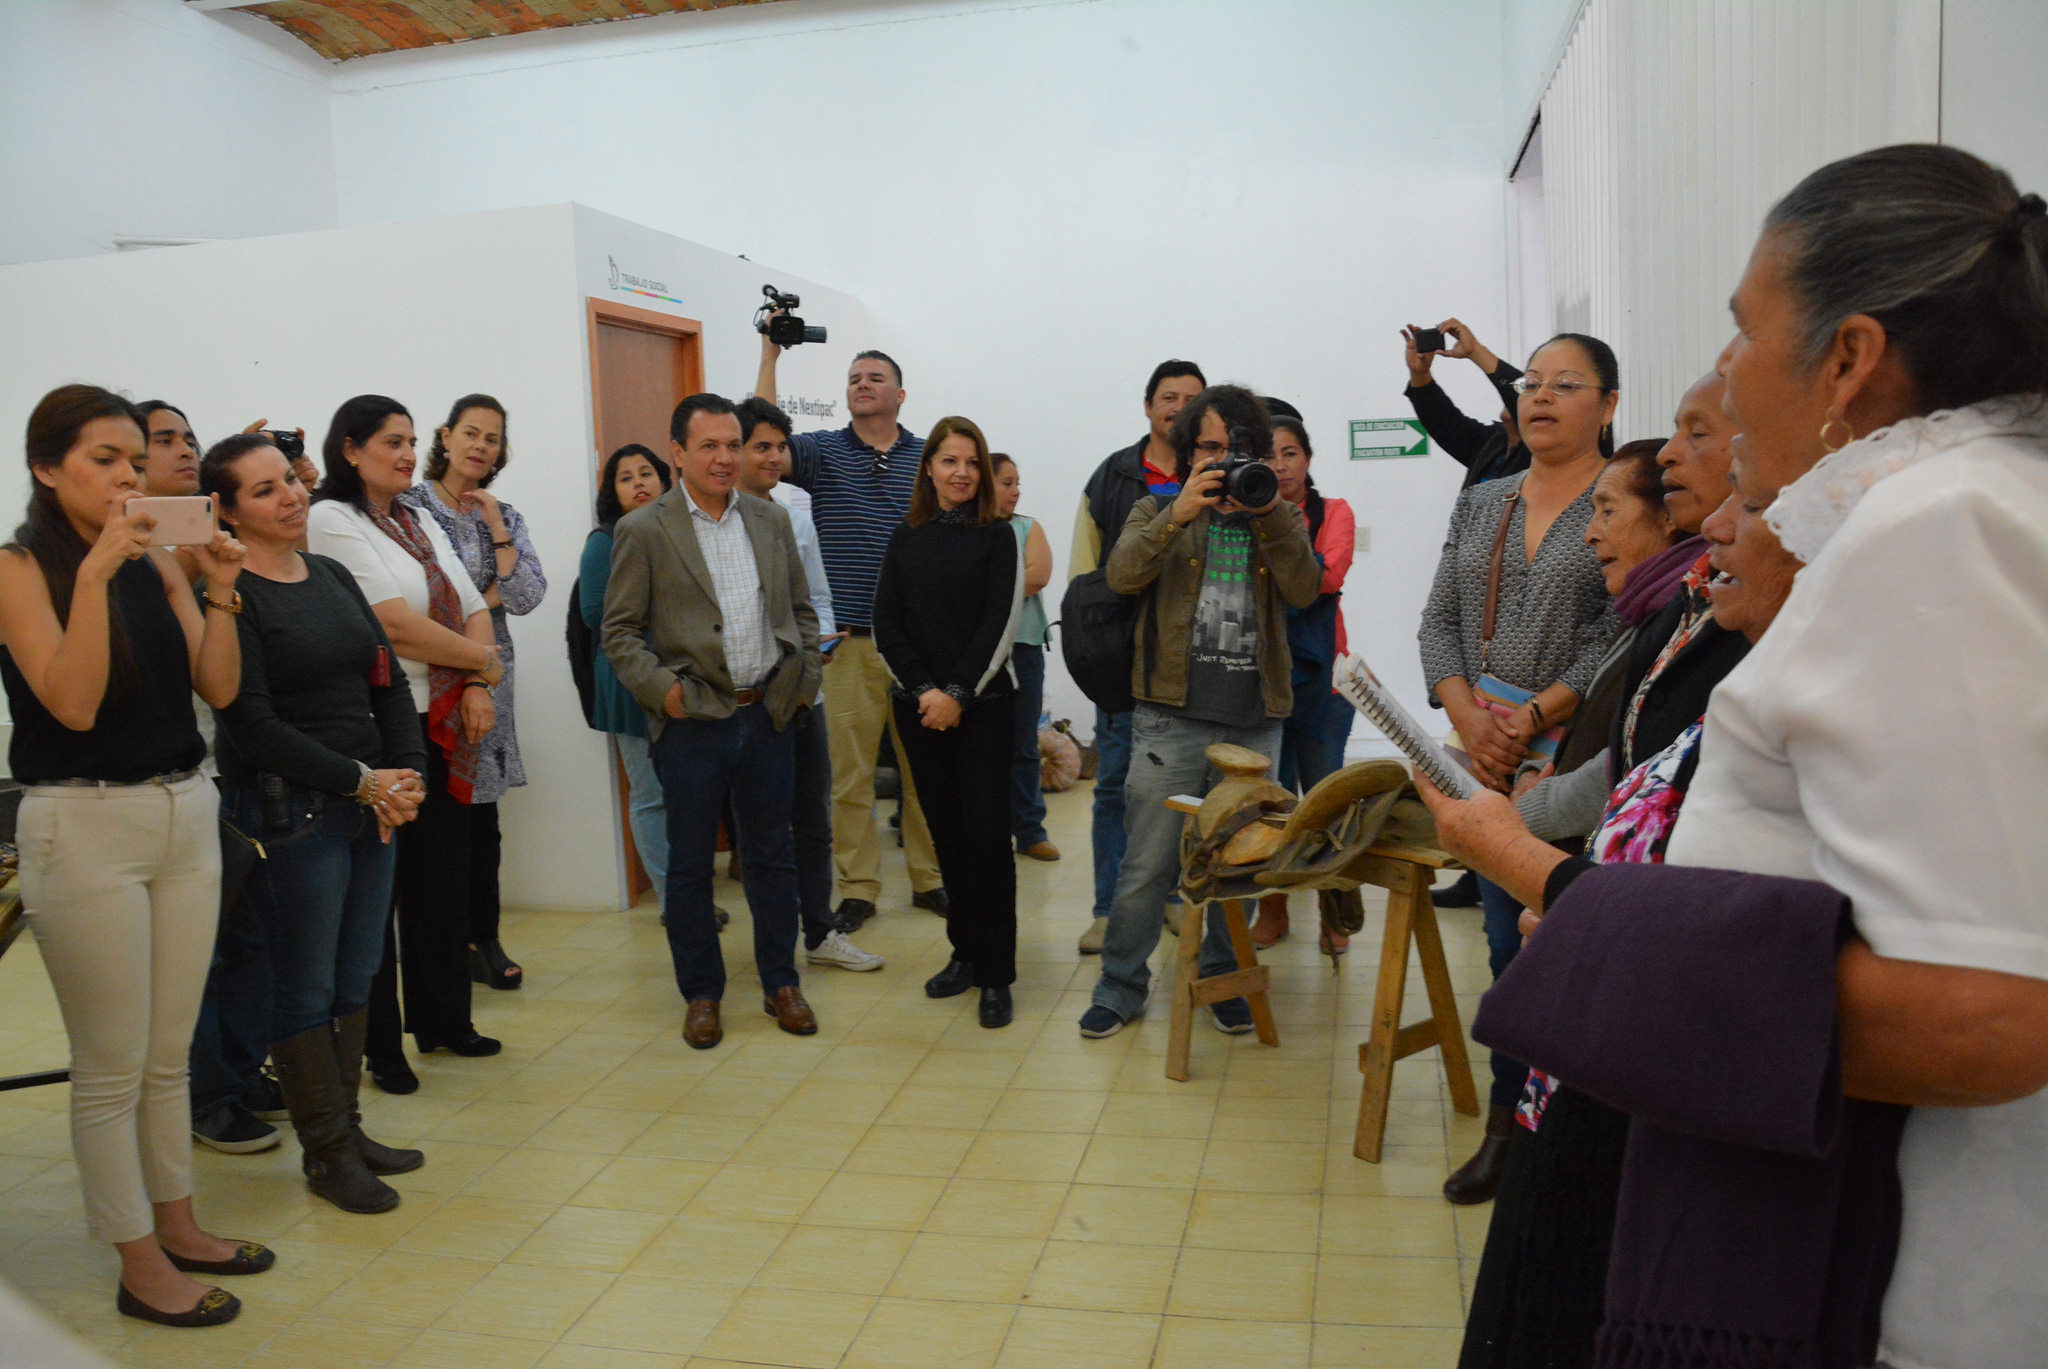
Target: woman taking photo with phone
120,849
320,758
440,628
946,610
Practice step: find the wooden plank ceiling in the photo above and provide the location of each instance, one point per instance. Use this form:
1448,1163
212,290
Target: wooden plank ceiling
341,29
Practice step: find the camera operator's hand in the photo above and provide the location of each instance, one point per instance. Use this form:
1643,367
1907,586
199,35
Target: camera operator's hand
1466,347
1418,362
768,347
1203,490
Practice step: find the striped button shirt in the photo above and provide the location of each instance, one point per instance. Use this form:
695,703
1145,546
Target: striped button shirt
750,650
858,496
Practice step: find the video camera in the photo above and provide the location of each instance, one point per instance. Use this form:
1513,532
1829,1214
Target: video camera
784,329
1247,479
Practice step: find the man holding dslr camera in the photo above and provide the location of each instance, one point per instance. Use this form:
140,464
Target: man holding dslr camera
1217,565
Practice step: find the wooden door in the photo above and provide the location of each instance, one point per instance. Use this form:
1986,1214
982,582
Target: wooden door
642,364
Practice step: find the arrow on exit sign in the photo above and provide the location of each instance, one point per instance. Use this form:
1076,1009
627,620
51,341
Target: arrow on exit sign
1374,439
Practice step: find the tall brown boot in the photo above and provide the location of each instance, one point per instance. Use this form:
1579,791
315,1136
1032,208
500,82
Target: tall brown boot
1476,1179
307,1072
1272,923
349,1034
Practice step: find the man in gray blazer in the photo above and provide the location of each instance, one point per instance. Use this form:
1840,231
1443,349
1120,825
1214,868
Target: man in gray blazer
708,622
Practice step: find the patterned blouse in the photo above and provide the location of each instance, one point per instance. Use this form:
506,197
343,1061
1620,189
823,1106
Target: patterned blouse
1555,619
498,767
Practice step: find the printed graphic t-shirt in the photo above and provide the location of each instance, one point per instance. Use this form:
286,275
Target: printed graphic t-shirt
1223,651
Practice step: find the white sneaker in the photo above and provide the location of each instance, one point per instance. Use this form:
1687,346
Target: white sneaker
838,949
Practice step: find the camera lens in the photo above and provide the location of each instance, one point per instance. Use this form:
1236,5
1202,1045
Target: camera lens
1253,485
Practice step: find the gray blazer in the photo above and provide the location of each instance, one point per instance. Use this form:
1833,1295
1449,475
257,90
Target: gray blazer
662,620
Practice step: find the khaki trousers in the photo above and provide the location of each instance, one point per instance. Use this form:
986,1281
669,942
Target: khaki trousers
122,888
856,710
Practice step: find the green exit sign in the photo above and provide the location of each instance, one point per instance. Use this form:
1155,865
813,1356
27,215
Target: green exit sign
1375,439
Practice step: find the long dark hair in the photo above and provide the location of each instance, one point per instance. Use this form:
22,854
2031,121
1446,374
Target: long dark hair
357,421
924,496
609,510
46,532
1312,501
437,455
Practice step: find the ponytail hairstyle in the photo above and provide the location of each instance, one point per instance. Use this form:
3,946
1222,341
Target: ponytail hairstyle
1941,249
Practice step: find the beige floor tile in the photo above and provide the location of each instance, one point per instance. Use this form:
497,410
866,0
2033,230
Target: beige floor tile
1392,1227
594,1238
1278,1222
1198,1343
712,1251
835,1102
532,1175
915,1106
991,1207
1262,1167
891,1065
1402,1172
967,1070
645,1183
1047,1110
787,1327
1062,1338
334,1343
930,1152
568,1356
402,1289
984,1269
664,1316
903,1333
756,1193
450,1164
1368,1291
1099,1277
491,1122
1385,1347
801,1143
1157,1115
1144,1161
1123,1215
1045,1157
898,1202
329,1225
688,1136
466,1350
525,1302
1243,1285
475,1228
739,1095
1088,1071
835,1259
598,1130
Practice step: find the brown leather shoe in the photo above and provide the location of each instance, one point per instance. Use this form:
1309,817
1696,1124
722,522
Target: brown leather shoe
1040,850
700,1024
1476,1179
1272,924
790,1012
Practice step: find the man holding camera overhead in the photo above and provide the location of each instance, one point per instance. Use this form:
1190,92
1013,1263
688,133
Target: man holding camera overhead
1217,565
859,478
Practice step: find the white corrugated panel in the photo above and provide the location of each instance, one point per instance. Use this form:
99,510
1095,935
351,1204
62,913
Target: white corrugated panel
1669,128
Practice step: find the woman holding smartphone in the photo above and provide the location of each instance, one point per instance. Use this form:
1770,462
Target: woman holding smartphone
120,851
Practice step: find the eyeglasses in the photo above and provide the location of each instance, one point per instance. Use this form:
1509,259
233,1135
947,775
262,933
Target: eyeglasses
1563,387
1212,449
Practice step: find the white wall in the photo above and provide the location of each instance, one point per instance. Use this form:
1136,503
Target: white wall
147,118
1994,84
423,312
1532,38
1037,202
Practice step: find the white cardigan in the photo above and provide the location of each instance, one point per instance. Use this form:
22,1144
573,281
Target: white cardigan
1889,735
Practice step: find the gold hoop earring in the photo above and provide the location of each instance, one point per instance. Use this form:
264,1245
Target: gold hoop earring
1832,447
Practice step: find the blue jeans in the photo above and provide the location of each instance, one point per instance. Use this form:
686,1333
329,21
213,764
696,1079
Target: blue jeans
1503,941
810,825
1306,755
232,1035
1027,804
1113,764
644,811
322,895
701,761
1166,759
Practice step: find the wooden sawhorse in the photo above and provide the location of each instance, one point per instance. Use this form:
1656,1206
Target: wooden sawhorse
1250,981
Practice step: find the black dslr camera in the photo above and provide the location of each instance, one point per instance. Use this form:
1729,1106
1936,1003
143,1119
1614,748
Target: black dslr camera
786,329
1247,479
291,444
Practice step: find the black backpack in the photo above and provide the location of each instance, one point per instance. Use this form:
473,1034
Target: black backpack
582,654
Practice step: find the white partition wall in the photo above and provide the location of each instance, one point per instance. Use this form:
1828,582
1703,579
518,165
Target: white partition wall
1669,128
285,328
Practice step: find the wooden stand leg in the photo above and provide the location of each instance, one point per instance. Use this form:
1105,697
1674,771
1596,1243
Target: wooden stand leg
1250,981
1235,915
1410,915
1187,969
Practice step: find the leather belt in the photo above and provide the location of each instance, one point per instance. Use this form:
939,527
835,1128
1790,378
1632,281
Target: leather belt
167,778
742,697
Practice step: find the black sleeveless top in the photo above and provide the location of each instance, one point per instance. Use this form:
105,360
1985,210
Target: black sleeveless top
145,725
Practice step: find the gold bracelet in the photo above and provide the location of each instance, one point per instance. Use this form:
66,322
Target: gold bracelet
232,606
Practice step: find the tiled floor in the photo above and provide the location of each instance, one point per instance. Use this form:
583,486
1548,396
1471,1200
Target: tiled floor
904,1189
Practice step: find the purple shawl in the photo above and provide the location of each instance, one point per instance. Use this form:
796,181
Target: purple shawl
1652,583
1759,1210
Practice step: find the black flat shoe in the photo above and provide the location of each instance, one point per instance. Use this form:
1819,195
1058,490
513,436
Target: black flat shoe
933,901
995,1006
471,1044
393,1074
216,1308
250,1258
957,978
488,964
851,913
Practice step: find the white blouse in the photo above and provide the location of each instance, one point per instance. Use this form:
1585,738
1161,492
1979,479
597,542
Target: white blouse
384,570
1889,735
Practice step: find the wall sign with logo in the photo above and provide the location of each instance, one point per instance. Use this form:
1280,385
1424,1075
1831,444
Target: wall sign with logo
1377,439
628,284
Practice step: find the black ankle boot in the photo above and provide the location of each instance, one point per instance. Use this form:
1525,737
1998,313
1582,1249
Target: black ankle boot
1476,1179
956,978
995,1006
311,1080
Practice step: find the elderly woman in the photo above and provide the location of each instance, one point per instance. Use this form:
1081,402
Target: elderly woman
1517,623
1887,374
